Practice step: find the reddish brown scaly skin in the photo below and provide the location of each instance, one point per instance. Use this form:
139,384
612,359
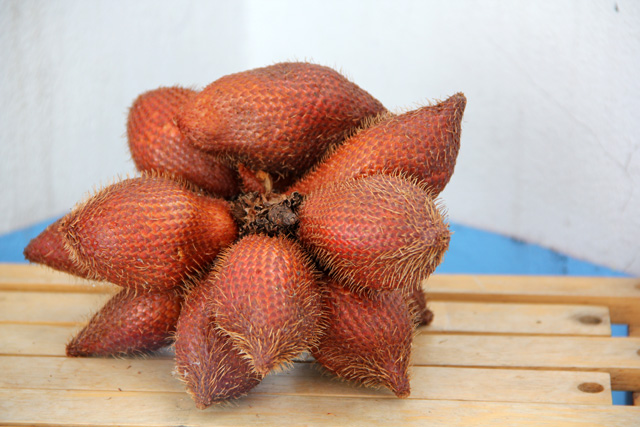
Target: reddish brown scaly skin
260,181
49,248
267,300
417,301
374,233
149,232
279,118
423,143
212,369
250,180
129,323
156,143
367,339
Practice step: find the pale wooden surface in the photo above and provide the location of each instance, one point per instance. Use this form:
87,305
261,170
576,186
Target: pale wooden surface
449,316
514,355
621,295
27,406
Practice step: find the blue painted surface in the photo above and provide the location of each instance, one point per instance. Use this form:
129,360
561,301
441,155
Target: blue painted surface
471,251
474,251
12,244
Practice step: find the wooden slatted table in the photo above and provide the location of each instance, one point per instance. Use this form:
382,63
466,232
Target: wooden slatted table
501,351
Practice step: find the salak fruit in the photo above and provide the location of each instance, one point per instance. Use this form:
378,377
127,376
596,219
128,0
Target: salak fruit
156,143
130,323
417,301
279,118
49,248
267,299
374,233
422,143
367,338
212,369
149,232
270,265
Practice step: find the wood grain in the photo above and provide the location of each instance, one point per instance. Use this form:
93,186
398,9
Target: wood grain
305,379
617,356
75,308
502,350
55,308
42,339
38,278
620,295
534,319
107,408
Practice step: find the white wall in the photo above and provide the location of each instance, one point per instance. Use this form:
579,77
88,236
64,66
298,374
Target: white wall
550,144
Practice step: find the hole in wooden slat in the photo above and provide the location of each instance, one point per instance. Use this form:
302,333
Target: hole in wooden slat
590,320
591,387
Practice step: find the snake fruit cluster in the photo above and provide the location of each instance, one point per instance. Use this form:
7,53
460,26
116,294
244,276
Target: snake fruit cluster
279,211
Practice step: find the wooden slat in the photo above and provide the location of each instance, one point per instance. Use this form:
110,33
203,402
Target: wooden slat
49,307
38,278
74,308
537,319
502,351
44,340
31,273
305,379
621,295
38,340
63,407
18,339
617,356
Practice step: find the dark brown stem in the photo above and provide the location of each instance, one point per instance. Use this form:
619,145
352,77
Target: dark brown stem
270,213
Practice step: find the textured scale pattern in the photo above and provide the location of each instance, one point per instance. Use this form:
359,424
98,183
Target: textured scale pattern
374,233
155,143
367,339
212,369
190,241
149,232
279,118
423,143
129,323
48,248
267,299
